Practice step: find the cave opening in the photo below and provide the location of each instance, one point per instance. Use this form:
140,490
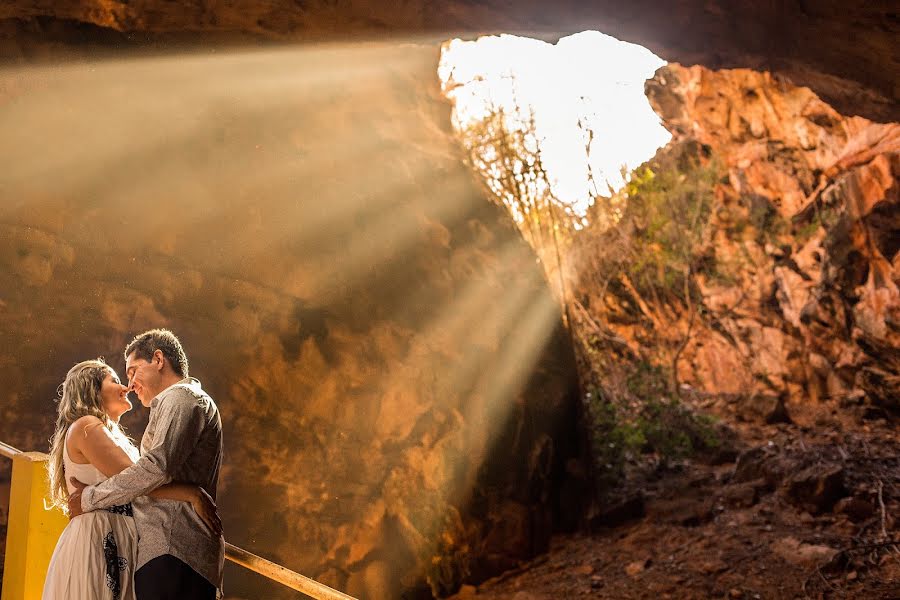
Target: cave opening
578,106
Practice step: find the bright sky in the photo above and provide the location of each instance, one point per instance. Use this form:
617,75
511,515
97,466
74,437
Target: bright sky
589,74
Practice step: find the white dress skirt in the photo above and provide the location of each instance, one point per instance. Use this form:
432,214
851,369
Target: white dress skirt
95,556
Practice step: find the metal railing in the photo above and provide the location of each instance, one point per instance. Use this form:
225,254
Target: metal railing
283,575
8,451
248,560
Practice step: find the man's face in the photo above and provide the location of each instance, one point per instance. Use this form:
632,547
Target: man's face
142,376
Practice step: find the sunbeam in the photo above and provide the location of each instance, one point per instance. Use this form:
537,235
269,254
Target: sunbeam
362,305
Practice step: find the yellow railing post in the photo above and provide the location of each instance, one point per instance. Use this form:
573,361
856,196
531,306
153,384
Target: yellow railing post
32,531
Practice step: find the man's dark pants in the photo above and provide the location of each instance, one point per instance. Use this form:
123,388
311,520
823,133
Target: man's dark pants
167,578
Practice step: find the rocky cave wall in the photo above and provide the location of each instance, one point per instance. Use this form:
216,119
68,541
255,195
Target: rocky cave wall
798,270
398,396
814,312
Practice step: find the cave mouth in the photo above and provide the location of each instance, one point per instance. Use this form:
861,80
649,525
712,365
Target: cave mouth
574,113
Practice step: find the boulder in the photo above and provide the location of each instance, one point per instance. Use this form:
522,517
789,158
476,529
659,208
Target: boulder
802,554
816,488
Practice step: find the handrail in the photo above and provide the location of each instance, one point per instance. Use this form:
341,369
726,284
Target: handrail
258,564
8,451
282,575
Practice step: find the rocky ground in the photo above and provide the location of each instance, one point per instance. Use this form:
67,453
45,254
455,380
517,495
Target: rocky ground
803,509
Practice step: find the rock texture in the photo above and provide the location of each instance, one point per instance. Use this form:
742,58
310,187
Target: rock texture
843,50
398,397
806,224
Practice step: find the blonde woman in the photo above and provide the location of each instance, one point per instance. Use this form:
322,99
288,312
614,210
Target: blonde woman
96,553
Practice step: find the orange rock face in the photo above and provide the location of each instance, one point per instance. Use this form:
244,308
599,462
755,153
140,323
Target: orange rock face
814,310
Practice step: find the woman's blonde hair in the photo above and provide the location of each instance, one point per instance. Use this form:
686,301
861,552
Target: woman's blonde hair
79,396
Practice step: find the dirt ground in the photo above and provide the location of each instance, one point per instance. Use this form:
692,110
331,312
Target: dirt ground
805,509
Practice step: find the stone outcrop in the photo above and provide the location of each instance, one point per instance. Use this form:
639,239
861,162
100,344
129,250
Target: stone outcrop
845,50
398,396
806,225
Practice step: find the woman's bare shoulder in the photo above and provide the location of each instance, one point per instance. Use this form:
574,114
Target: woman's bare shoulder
84,427
84,423
78,433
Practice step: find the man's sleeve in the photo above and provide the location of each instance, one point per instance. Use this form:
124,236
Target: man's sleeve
178,425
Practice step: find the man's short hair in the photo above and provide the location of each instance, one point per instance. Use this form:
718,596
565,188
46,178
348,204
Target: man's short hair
145,344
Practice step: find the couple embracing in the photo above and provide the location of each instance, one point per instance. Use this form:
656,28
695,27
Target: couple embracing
143,524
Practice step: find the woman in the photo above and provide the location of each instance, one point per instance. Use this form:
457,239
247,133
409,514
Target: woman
96,553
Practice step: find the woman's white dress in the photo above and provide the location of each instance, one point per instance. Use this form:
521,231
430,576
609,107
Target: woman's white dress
96,553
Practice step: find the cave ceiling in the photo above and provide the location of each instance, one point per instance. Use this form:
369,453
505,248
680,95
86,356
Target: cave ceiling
846,51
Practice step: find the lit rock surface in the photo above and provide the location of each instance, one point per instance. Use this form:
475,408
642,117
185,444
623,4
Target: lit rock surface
814,310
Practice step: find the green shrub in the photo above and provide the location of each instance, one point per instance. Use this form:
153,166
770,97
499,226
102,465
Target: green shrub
668,208
642,418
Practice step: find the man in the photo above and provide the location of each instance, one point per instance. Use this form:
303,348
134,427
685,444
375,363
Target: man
179,557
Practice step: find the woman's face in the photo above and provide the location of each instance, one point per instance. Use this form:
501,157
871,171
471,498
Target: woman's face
114,397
